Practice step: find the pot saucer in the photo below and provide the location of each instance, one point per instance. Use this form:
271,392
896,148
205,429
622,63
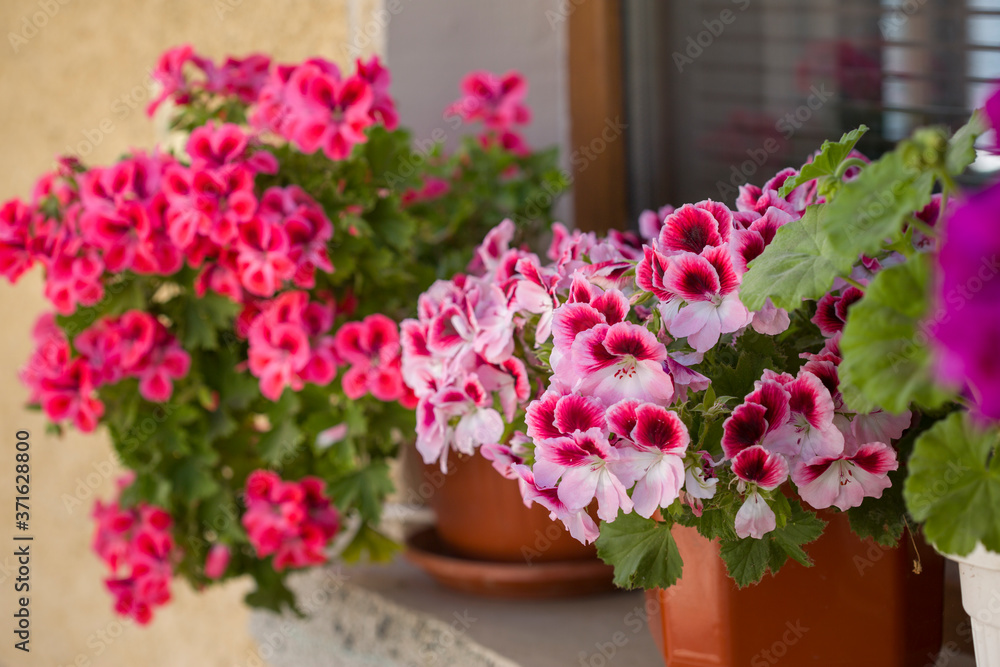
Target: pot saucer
522,581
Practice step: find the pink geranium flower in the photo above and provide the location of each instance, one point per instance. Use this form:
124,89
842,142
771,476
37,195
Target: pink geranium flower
659,440
555,415
694,227
708,284
810,432
137,546
333,112
371,347
584,463
262,259
844,481
620,361
383,108
217,561
756,468
577,521
294,521
497,101
758,421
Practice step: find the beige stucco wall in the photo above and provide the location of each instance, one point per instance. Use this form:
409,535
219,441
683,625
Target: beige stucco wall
85,67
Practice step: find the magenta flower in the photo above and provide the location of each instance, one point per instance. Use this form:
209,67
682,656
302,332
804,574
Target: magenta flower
694,227
966,329
759,199
169,72
138,549
383,108
294,521
831,310
810,432
217,561
334,112
16,255
290,345
497,101
758,421
262,259
555,415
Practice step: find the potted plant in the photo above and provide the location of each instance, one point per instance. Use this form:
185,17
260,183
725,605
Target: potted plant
745,388
229,310
916,337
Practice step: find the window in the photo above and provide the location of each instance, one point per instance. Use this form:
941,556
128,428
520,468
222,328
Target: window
723,92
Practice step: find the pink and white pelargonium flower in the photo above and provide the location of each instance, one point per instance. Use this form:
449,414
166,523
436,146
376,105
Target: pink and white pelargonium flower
810,432
757,469
459,416
577,521
844,481
620,361
707,283
582,464
659,440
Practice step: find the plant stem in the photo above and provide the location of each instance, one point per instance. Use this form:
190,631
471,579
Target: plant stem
854,283
924,228
847,164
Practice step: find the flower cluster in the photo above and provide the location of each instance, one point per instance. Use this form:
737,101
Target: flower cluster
231,303
315,107
137,546
798,427
134,345
293,521
497,102
622,338
290,343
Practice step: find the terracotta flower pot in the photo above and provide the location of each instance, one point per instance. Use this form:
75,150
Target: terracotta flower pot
481,515
860,604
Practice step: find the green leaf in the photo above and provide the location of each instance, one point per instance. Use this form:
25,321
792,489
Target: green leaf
378,547
802,527
271,591
961,147
204,317
954,485
642,551
757,352
886,363
831,154
279,445
748,559
193,481
799,264
364,490
874,206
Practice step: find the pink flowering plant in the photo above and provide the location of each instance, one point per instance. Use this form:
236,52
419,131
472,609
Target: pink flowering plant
910,256
229,310
730,367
